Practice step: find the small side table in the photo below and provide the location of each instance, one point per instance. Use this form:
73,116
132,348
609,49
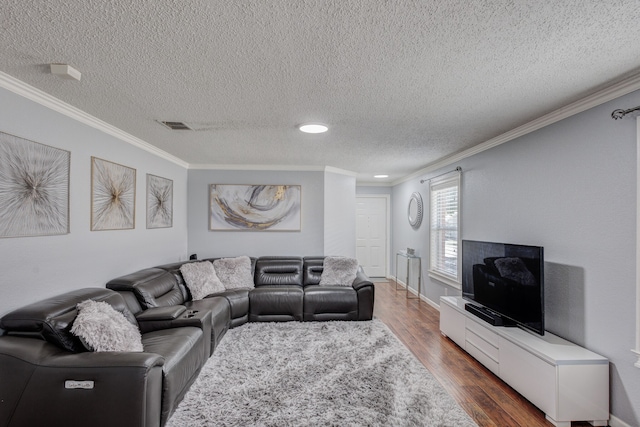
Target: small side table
410,259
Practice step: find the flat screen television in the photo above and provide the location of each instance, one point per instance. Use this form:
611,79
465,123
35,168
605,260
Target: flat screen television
505,280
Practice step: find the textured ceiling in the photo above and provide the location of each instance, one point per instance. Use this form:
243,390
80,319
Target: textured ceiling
401,84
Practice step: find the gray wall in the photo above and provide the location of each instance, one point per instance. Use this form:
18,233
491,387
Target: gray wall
339,215
404,236
570,187
37,267
373,189
205,243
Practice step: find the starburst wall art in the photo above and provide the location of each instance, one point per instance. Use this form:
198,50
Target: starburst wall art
34,188
159,202
113,196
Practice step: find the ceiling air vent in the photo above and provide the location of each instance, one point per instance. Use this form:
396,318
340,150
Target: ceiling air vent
176,125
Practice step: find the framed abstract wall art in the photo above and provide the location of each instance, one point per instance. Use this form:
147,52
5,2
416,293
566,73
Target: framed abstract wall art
34,188
159,202
113,196
254,207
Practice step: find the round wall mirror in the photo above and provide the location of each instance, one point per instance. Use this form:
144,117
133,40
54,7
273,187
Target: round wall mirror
415,210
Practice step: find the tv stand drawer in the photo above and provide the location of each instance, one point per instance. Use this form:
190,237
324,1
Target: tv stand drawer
483,332
483,345
482,356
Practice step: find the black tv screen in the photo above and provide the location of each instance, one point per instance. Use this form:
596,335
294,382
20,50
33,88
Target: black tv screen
507,279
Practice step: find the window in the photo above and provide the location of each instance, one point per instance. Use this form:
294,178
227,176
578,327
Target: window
444,263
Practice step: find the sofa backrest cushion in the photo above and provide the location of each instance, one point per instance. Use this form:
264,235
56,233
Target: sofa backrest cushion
275,271
153,287
313,268
174,268
51,319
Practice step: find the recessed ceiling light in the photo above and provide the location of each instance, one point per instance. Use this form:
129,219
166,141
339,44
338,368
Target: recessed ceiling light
313,128
381,176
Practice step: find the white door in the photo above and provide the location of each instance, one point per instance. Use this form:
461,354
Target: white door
371,234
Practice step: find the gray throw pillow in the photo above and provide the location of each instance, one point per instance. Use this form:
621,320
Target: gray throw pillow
201,279
235,273
101,328
340,271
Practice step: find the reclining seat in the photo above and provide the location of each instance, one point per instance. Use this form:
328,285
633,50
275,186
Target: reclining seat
49,378
329,302
154,297
238,298
278,294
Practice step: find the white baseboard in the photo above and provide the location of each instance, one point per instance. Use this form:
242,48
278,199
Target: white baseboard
392,281
617,422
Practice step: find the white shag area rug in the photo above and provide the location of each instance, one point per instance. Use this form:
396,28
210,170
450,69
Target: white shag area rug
316,374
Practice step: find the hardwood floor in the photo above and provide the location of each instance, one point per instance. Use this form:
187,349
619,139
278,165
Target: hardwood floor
488,400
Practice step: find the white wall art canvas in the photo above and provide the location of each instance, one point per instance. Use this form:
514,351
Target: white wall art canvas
113,196
34,188
159,202
255,207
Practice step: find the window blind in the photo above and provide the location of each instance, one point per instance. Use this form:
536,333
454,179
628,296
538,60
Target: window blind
444,228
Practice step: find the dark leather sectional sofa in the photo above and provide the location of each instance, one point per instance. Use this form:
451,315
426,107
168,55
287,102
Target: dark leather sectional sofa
48,378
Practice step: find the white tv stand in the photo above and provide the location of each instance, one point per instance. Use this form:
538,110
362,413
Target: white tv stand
567,382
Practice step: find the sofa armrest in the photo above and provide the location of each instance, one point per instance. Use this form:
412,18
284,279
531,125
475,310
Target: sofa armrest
171,312
366,295
38,352
97,389
175,316
361,280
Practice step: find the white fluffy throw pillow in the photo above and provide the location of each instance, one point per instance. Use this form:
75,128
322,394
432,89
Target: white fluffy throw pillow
201,279
340,271
235,273
101,328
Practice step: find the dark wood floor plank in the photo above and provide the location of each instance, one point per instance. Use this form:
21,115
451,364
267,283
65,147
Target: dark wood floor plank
486,398
478,415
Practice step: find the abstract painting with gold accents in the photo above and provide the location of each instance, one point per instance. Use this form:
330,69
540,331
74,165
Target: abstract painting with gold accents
239,207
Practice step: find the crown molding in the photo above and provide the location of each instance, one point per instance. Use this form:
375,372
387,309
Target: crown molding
375,184
278,168
282,168
610,93
36,95
339,171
